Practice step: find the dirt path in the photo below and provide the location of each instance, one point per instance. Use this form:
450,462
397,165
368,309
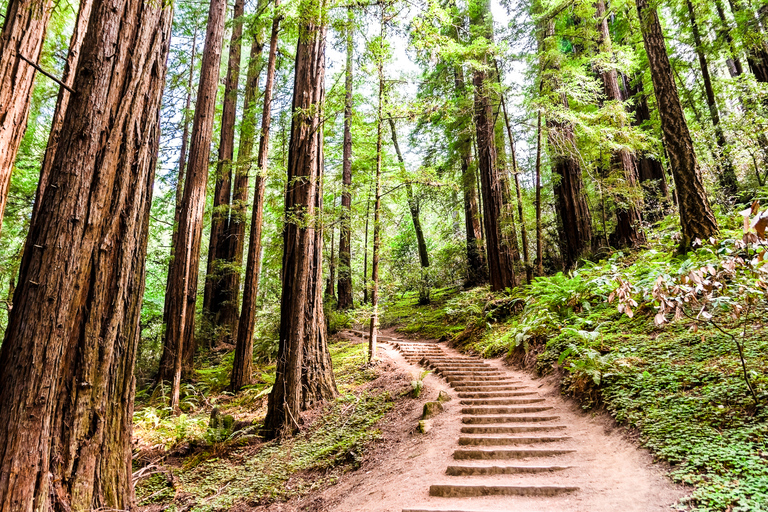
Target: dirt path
505,442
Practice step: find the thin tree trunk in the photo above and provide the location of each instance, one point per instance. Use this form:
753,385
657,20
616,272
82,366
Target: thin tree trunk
696,218
365,248
242,367
733,62
23,33
726,174
179,343
756,47
374,327
413,202
345,233
304,373
217,297
331,281
68,78
476,269
501,252
515,172
67,360
539,258
629,231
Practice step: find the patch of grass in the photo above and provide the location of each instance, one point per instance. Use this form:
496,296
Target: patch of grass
221,477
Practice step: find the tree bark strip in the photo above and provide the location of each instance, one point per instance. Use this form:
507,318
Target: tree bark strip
67,360
62,100
344,287
242,368
501,252
217,299
23,33
304,372
696,217
179,343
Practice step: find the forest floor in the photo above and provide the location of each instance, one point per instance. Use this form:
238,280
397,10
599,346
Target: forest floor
607,466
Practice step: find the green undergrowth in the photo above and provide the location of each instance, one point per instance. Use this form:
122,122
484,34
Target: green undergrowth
220,474
679,382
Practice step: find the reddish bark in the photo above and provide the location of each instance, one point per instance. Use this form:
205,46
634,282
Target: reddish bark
67,360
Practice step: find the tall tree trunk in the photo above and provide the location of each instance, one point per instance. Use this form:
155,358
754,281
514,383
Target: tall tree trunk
573,216
374,327
539,253
24,28
501,252
413,202
476,270
515,173
68,78
696,218
304,373
726,174
217,298
629,231
345,233
330,283
179,342
67,360
365,248
242,367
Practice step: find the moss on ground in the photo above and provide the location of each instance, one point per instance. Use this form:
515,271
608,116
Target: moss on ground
221,475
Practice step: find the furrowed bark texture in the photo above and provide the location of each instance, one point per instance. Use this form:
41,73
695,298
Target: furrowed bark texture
304,372
67,360
219,301
501,251
23,33
73,56
696,218
179,345
344,287
477,273
242,367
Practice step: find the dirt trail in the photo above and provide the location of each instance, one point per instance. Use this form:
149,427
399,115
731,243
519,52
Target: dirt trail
505,442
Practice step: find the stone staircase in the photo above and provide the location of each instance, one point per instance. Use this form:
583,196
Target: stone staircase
510,443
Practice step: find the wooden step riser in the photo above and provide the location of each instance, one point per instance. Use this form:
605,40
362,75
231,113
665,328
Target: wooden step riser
472,491
503,410
511,429
509,441
479,389
500,470
506,454
489,420
495,395
501,401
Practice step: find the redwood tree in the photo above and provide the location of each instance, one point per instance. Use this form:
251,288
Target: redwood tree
304,373
242,368
344,287
21,39
501,251
219,301
696,217
67,360
181,294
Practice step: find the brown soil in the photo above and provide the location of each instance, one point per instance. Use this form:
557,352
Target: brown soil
613,474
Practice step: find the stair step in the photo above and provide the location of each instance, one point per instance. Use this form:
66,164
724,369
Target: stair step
498,386
500,470
501,401
465,491
481,379
470,371
502,454
495,394
475,420
504,410
461,388
505,441
510,429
